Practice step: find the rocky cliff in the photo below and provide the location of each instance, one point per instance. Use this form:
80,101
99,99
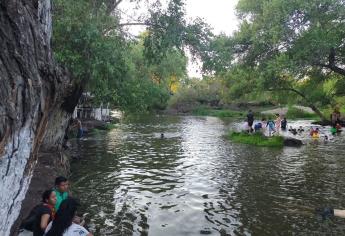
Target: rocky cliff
36,98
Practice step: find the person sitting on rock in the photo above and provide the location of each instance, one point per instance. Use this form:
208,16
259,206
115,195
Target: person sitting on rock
63,224
61,190
41,215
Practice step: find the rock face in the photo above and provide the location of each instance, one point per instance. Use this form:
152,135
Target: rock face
34,95
292,142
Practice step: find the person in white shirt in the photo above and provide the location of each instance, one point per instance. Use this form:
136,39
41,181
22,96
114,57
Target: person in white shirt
63,224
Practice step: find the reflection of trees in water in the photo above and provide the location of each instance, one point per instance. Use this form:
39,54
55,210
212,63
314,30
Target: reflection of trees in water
123,172
132,176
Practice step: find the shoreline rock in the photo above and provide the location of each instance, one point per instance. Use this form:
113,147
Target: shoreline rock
292,142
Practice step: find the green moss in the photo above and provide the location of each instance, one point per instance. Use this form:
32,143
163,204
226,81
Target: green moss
257,139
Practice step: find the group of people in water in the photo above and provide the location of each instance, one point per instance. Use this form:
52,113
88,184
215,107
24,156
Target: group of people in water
56,215
274,126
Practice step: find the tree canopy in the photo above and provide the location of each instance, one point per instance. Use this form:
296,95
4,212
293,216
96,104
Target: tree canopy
133,74
286,47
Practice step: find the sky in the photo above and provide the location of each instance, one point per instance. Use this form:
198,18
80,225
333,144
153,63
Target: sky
219,14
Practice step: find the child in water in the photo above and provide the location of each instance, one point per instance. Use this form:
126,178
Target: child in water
338,127
300,129
292,130
314,133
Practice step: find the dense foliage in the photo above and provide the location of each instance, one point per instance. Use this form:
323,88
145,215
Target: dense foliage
132,74
287,51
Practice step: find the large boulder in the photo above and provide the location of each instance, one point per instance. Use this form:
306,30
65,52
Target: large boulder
292,142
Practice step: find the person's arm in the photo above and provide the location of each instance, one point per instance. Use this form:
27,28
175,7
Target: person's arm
339,213
90,234
44,221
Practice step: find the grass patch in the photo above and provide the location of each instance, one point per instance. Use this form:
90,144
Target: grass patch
202,111
295,113
102,129
109,126
257,139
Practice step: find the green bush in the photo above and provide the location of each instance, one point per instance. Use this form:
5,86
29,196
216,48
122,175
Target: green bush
257,139
295,113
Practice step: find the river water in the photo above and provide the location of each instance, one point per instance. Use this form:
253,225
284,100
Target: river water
196,182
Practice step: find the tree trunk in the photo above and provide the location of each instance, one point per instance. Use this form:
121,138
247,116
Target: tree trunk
33,90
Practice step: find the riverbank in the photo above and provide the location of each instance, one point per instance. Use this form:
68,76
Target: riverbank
50,164
238,112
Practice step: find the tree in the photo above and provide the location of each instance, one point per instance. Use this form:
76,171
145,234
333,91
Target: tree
33,93
285,43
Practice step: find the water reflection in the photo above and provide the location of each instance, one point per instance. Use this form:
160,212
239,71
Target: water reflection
194,182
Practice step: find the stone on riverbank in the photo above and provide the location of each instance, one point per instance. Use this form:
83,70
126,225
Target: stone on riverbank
292,142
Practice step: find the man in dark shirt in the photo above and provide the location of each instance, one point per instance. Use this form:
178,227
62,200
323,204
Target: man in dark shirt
250,120
41,215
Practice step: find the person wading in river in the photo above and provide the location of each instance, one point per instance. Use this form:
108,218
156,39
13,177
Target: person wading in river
330,212
250,120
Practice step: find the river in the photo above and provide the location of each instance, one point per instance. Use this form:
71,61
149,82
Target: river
196,182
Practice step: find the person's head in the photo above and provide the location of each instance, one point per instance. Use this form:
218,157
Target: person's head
317,129
61,184
49,197
277,115
64,217
263,119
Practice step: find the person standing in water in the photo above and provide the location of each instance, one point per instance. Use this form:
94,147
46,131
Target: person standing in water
284,124
250,120
271,127
278,122
79,128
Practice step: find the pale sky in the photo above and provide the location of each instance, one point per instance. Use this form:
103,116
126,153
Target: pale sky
219,14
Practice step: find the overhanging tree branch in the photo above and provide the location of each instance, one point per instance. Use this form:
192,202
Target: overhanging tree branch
135,23
332,63
310,103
